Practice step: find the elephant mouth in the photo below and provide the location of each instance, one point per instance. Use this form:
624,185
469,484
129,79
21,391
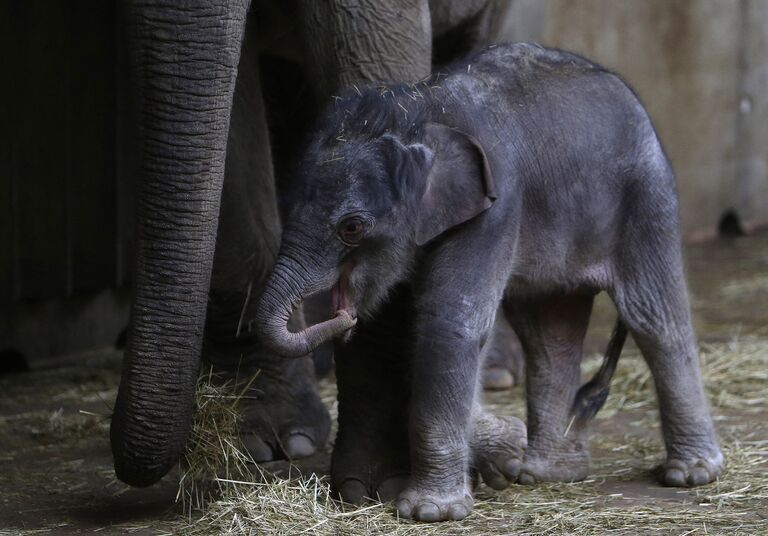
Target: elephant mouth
341,297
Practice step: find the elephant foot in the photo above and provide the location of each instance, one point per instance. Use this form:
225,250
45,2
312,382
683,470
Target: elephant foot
692,472
498,444
431,505
369,467
536,470
563,461
384,488
283,416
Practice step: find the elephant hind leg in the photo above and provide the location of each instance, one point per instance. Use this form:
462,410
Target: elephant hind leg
652,299
552,330
503,365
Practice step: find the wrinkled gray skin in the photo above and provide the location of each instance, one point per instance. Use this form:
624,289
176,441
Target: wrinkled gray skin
208,227
527,177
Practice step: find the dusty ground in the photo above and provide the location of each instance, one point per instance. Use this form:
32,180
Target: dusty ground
56,475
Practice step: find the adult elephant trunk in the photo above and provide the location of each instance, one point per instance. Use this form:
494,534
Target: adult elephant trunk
184,57
284,291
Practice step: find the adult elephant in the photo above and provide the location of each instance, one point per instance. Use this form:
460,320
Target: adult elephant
207,218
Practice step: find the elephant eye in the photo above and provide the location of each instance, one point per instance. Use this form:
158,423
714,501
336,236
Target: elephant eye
351,230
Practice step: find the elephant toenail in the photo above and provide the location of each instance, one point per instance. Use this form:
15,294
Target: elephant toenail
353,491
404,508
427,511
699,476
511,468
457,512
497,482
674,477
298,445
526,479
257,448
391,488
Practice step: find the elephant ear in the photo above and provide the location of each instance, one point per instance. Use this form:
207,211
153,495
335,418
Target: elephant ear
459,185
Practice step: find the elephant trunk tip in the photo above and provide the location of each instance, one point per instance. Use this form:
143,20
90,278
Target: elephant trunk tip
139,477
276,336
139,458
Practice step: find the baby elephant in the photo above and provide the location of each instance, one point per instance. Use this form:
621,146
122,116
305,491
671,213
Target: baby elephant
525,176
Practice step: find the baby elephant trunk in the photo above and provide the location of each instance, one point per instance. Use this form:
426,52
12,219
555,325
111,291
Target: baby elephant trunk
284,291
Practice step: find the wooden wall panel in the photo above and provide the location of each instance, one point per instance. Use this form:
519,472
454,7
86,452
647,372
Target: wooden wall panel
91,192
39,145
57,195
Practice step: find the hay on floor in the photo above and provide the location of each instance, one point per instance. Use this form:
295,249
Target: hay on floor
238,498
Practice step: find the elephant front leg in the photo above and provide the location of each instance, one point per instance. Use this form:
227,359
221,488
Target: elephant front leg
657,312
445,369
552,331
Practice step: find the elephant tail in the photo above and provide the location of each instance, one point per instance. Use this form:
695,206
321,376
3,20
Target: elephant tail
593,394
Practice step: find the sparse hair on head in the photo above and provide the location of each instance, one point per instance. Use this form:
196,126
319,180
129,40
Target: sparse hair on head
367,113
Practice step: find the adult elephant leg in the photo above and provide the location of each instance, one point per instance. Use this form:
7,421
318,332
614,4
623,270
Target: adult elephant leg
283,412
365,41
184,58
460,28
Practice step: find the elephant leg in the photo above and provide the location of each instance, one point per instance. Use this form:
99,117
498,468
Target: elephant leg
460,28
371,458
552,330
504,363
651,297
284,416
497,445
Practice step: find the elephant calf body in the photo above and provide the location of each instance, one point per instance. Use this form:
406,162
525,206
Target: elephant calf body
523,176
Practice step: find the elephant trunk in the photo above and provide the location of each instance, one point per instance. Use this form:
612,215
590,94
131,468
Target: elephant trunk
284,291
184,66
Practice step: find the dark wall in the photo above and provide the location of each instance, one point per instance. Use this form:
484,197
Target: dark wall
63,224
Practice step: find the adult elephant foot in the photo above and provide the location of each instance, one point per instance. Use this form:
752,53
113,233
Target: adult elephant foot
282,416
498,444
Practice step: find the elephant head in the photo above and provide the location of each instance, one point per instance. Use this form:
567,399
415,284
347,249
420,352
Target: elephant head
372,189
